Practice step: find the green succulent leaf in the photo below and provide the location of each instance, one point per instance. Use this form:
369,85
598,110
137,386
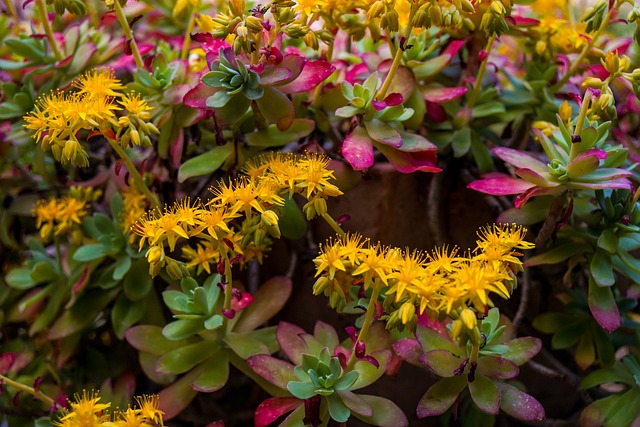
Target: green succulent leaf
485,394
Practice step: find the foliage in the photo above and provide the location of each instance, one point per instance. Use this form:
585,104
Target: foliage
162,161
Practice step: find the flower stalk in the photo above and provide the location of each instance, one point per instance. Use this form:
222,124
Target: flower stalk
137,178
29,390
481,71
42,11
124,23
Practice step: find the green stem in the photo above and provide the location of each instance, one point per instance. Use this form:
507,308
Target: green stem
59,255
580,124
585,50
481,71
42,11
124,23
41,165
334,225
368,319
137,179
228,289
187,36
475,352
29,390
397,58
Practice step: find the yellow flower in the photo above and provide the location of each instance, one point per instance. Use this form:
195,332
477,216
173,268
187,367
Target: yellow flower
201,257
314,177
46,212
85,411
330,259
408,271
149,408
99,83
70,212
374,264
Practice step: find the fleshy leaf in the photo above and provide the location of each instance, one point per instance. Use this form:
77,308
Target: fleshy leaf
215,374
522,349
440,396
357,149
337,409
497,367
442,94
268,300
289,337
149,339
503,186
603,306
485,394
276,371
185,358
369,373
178,395
197,97
244,345
313,73
383,133
355,403
585,163
441,362
409,350
276,108
272,137
519,404
602,269
385,413
431,340
206,163
273,408
520,159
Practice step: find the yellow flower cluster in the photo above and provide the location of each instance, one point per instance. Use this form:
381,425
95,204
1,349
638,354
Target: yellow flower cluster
59,117
240,217
87,412
59,215
442,281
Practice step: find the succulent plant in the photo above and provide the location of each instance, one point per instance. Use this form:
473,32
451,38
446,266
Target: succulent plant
318,385
484,374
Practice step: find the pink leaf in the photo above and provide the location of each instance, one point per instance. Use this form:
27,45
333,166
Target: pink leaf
313,73
519,404
410,161
6,361
393,99
520,159
357,149
409,350
443,94
273,408
197,97
290,339
501,186
534,191
534,177
275,75
276,371
603,307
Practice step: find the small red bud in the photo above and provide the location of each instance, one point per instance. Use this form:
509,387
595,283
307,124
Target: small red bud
482,55
361,349
220,266
229,314
343,218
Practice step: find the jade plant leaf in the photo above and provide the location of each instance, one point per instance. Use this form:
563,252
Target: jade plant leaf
519,404
385,412
440,396
442,362
603,306
185,358
206,163
267,301
215,373
273,408
149,339
485,394
276,371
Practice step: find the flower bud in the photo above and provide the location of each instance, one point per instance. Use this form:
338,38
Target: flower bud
468,318
376,10
155,254
407,312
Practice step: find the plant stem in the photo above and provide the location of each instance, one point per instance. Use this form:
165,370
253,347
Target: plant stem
137,179
187,36
228,289
42,11
122,19
368,319
29,390
481,71
580,124
334,225
397,58
38,157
